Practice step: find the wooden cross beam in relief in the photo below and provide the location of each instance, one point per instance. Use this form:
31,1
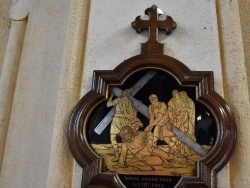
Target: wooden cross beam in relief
152,46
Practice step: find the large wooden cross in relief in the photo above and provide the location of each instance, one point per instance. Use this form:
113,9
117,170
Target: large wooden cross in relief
152,46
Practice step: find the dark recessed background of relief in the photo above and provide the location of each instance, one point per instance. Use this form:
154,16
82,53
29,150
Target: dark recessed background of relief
162,84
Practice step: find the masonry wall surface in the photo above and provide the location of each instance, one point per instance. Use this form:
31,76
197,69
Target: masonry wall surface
51,53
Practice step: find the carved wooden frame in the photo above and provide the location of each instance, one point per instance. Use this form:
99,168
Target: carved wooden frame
203,82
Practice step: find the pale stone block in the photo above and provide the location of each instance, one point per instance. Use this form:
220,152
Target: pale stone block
111,38
63,172
4,28
28,146
51,72
8,79
236,88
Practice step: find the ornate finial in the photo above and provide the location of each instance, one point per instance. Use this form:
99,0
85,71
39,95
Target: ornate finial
153,24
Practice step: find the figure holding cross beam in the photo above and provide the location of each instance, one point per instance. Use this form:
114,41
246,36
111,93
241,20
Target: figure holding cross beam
125,115
159,120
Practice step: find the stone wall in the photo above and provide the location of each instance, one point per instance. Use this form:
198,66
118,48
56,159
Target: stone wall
53,48
5,27
244,7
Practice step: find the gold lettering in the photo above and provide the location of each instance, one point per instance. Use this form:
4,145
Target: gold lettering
157,185
146,185
132,178
165,180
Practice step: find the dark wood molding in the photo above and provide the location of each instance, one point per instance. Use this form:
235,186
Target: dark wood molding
204,83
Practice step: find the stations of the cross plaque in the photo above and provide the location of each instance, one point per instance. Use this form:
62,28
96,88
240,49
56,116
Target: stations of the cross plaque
151,122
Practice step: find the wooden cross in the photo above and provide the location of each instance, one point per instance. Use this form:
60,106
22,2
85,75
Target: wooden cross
153,24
